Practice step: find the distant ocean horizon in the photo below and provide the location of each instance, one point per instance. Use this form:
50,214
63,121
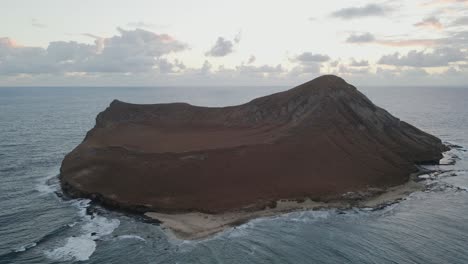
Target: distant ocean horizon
39,125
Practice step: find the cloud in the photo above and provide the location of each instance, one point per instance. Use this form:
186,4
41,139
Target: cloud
334,63
431,23
7,43
439,57
363,11
461,21
206,68
355,63
17,59
166,67
343,70
365,38
305,70
131,51
264,69
456,39
252,59
435,2
360,38
221,48
36,23
238,37
309,64
408,42
143,24
308,57
69,52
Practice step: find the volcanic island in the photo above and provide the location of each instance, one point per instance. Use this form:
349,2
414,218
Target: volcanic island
200,170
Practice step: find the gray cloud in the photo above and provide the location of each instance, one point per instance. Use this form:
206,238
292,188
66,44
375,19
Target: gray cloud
461,21
221,48
308,57
15,59
334,63
238,37
363,11
445,2
365,38
165,67
343,70
439,57
130,51
430,22
458,39
355,63
360,38
260,69
252,59
224,47
309,64
206,68
305,70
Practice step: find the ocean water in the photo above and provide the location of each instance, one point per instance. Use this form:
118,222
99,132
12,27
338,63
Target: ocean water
39,125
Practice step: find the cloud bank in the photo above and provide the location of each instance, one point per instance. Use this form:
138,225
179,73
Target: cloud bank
131,51
439,57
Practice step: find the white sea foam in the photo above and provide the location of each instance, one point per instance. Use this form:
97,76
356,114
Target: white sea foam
76,248
131,237
308,216
81,205
100,226
26,247
46,185
460,180
80,248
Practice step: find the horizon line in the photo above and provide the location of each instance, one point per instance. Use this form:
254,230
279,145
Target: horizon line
211,86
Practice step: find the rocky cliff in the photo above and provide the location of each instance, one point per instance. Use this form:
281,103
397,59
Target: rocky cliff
318,140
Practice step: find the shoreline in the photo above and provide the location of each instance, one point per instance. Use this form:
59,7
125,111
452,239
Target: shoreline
198,226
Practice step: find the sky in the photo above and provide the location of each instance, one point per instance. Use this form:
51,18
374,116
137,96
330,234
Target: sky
244,42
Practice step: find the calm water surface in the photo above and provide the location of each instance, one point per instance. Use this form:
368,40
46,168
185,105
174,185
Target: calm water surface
39,125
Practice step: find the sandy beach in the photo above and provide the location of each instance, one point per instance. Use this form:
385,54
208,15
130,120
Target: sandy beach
196,226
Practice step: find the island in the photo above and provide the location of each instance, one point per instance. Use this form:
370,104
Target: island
199,170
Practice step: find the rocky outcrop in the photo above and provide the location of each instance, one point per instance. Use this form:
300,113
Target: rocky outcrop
318,140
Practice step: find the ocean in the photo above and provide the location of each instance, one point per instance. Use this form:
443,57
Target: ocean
39,125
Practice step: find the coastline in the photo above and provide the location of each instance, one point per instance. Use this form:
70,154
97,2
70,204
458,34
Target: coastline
198,226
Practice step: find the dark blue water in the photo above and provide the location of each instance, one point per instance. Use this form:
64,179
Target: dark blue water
38,126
